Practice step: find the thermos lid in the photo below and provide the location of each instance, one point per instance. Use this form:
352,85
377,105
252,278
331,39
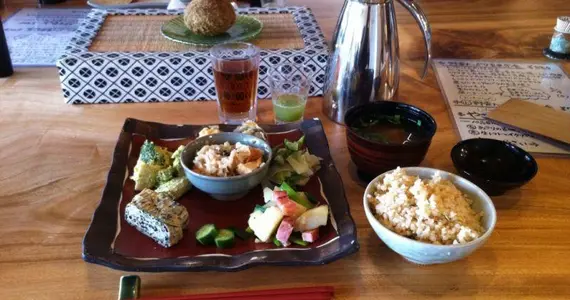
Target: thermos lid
563,24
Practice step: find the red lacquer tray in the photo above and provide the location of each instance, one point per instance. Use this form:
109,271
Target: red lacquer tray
110,241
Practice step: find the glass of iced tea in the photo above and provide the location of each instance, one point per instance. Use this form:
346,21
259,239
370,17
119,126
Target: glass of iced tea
236,67
290,85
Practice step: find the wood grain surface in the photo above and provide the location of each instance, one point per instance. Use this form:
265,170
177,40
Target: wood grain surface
55,157
531,117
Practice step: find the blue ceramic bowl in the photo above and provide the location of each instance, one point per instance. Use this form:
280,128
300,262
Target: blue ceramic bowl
226,188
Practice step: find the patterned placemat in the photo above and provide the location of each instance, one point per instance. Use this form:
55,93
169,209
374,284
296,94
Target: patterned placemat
121,76
128,33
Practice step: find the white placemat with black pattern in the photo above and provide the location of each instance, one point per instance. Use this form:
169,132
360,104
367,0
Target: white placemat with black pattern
130,77
37,37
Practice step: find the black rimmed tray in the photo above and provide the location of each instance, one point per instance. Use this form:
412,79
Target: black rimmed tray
111,242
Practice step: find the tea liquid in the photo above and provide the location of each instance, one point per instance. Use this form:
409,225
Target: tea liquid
236,85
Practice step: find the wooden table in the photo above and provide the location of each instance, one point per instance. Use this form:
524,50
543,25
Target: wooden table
55,158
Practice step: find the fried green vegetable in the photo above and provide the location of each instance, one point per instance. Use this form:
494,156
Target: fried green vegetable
154,155
152,160
175,188
165,175
176,163
145,175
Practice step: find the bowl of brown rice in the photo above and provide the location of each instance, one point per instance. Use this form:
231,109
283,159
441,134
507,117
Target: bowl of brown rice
427,215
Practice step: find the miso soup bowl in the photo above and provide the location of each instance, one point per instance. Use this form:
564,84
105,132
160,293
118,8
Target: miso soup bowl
226,188
373,158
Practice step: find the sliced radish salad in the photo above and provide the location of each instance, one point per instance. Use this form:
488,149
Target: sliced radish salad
288,217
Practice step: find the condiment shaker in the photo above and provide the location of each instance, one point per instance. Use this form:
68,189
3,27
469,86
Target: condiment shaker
560,42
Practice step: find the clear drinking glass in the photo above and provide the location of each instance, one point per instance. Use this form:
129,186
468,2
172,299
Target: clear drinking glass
236,68
290,84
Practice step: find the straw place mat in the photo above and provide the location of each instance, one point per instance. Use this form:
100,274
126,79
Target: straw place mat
142,34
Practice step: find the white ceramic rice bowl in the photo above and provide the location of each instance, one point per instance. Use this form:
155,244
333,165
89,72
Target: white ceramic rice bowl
425,253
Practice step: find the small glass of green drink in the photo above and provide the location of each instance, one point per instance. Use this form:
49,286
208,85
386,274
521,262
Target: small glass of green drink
290,84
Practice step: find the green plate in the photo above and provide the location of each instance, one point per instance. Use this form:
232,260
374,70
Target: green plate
245,28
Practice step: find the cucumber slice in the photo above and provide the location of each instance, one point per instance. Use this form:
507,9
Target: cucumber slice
206,234
225,239
240,233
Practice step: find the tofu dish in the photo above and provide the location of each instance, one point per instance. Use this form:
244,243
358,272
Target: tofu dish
227,160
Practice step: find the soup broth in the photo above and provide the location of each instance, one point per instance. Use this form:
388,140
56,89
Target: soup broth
388,129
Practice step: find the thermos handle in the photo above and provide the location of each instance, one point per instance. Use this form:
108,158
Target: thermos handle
422,21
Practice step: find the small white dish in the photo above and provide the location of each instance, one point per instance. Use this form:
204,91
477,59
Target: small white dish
425,253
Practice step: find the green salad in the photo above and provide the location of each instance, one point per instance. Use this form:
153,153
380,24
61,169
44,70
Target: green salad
293,164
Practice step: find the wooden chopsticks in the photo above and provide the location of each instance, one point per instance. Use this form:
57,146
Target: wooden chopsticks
309,293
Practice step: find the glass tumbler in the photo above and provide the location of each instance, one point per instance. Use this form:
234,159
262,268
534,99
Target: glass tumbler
236,68
290,84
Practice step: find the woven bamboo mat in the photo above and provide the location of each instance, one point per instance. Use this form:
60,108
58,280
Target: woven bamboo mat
142,34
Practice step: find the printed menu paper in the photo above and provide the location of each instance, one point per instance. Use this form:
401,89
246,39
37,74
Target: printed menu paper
474,87
38,37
